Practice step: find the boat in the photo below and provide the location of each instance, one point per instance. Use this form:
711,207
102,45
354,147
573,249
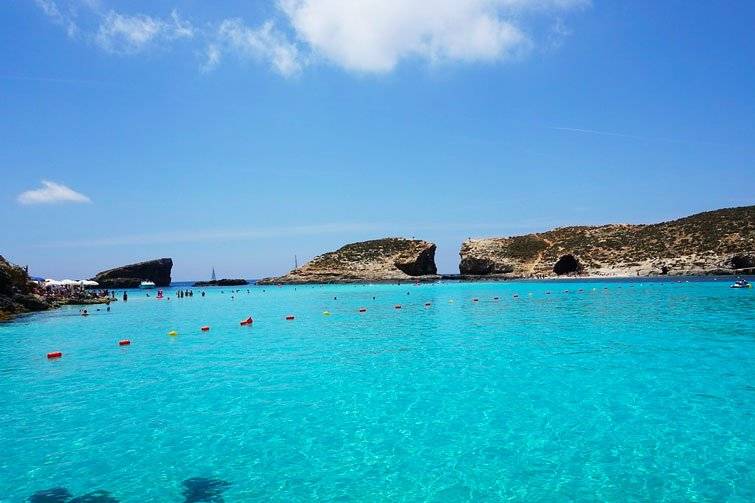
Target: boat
146,284
741,283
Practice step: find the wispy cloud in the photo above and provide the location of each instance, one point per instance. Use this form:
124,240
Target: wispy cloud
124,34
50,193
52,11
265,43
637,137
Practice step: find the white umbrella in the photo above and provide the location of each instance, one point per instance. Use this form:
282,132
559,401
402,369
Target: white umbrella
88,282
52,282
69,282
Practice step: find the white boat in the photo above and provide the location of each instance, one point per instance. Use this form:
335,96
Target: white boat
741,283
146,284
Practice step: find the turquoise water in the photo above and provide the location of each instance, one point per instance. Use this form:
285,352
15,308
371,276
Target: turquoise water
623,391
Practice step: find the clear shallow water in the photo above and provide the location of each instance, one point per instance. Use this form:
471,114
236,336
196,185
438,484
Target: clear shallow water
638,392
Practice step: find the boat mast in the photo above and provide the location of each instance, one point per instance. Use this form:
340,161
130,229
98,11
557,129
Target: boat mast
213,273
296,262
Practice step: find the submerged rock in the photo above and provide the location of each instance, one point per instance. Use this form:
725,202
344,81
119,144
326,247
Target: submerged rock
379,260
130,276
714,242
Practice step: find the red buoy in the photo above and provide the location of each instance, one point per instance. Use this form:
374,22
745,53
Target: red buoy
124,342
205,328
54,354
247,321
290,317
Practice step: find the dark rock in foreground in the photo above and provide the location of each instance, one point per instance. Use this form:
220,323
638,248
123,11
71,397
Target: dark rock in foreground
222,282
714,242
379,260
17,292
130,276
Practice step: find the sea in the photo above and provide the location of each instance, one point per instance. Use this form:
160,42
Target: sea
610,391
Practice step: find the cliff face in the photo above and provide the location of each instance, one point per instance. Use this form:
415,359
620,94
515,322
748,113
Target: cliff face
17,292
129,276
379,260
720,241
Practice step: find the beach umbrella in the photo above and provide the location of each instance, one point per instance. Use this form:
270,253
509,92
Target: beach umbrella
88,282
52,282
69,282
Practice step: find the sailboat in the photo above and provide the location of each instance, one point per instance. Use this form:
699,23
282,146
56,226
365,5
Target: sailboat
213,274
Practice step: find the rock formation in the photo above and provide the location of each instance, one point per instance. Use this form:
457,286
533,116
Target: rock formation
130,276
222,282
379,260
714,242
17,292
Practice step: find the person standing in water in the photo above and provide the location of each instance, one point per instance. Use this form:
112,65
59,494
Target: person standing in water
125,296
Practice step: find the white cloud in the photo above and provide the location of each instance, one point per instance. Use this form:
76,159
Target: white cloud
363,36
263,43
375,35
52,192
125,34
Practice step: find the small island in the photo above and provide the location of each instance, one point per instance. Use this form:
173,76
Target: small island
388,260
131,276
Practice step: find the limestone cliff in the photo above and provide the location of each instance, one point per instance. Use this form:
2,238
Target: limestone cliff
129,276
17,292
379,260
720,242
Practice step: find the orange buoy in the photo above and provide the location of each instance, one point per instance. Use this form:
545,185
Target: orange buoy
205,328
54,354
290,317
124,342
247,321
362,309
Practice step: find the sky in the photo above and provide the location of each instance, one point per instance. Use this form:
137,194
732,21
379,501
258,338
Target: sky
240,134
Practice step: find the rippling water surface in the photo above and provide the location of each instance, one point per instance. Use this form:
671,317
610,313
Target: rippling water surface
612,391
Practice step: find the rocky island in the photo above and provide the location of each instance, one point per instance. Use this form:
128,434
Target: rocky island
130,276
379,260
713,242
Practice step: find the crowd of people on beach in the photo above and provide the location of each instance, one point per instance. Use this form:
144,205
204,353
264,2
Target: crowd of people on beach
68,293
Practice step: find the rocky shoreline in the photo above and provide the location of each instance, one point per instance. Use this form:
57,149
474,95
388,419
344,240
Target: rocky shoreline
20,295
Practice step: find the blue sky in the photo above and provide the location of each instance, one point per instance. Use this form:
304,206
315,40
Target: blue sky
237,134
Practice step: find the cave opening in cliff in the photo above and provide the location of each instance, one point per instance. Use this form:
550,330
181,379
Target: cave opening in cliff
742,261
567,264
